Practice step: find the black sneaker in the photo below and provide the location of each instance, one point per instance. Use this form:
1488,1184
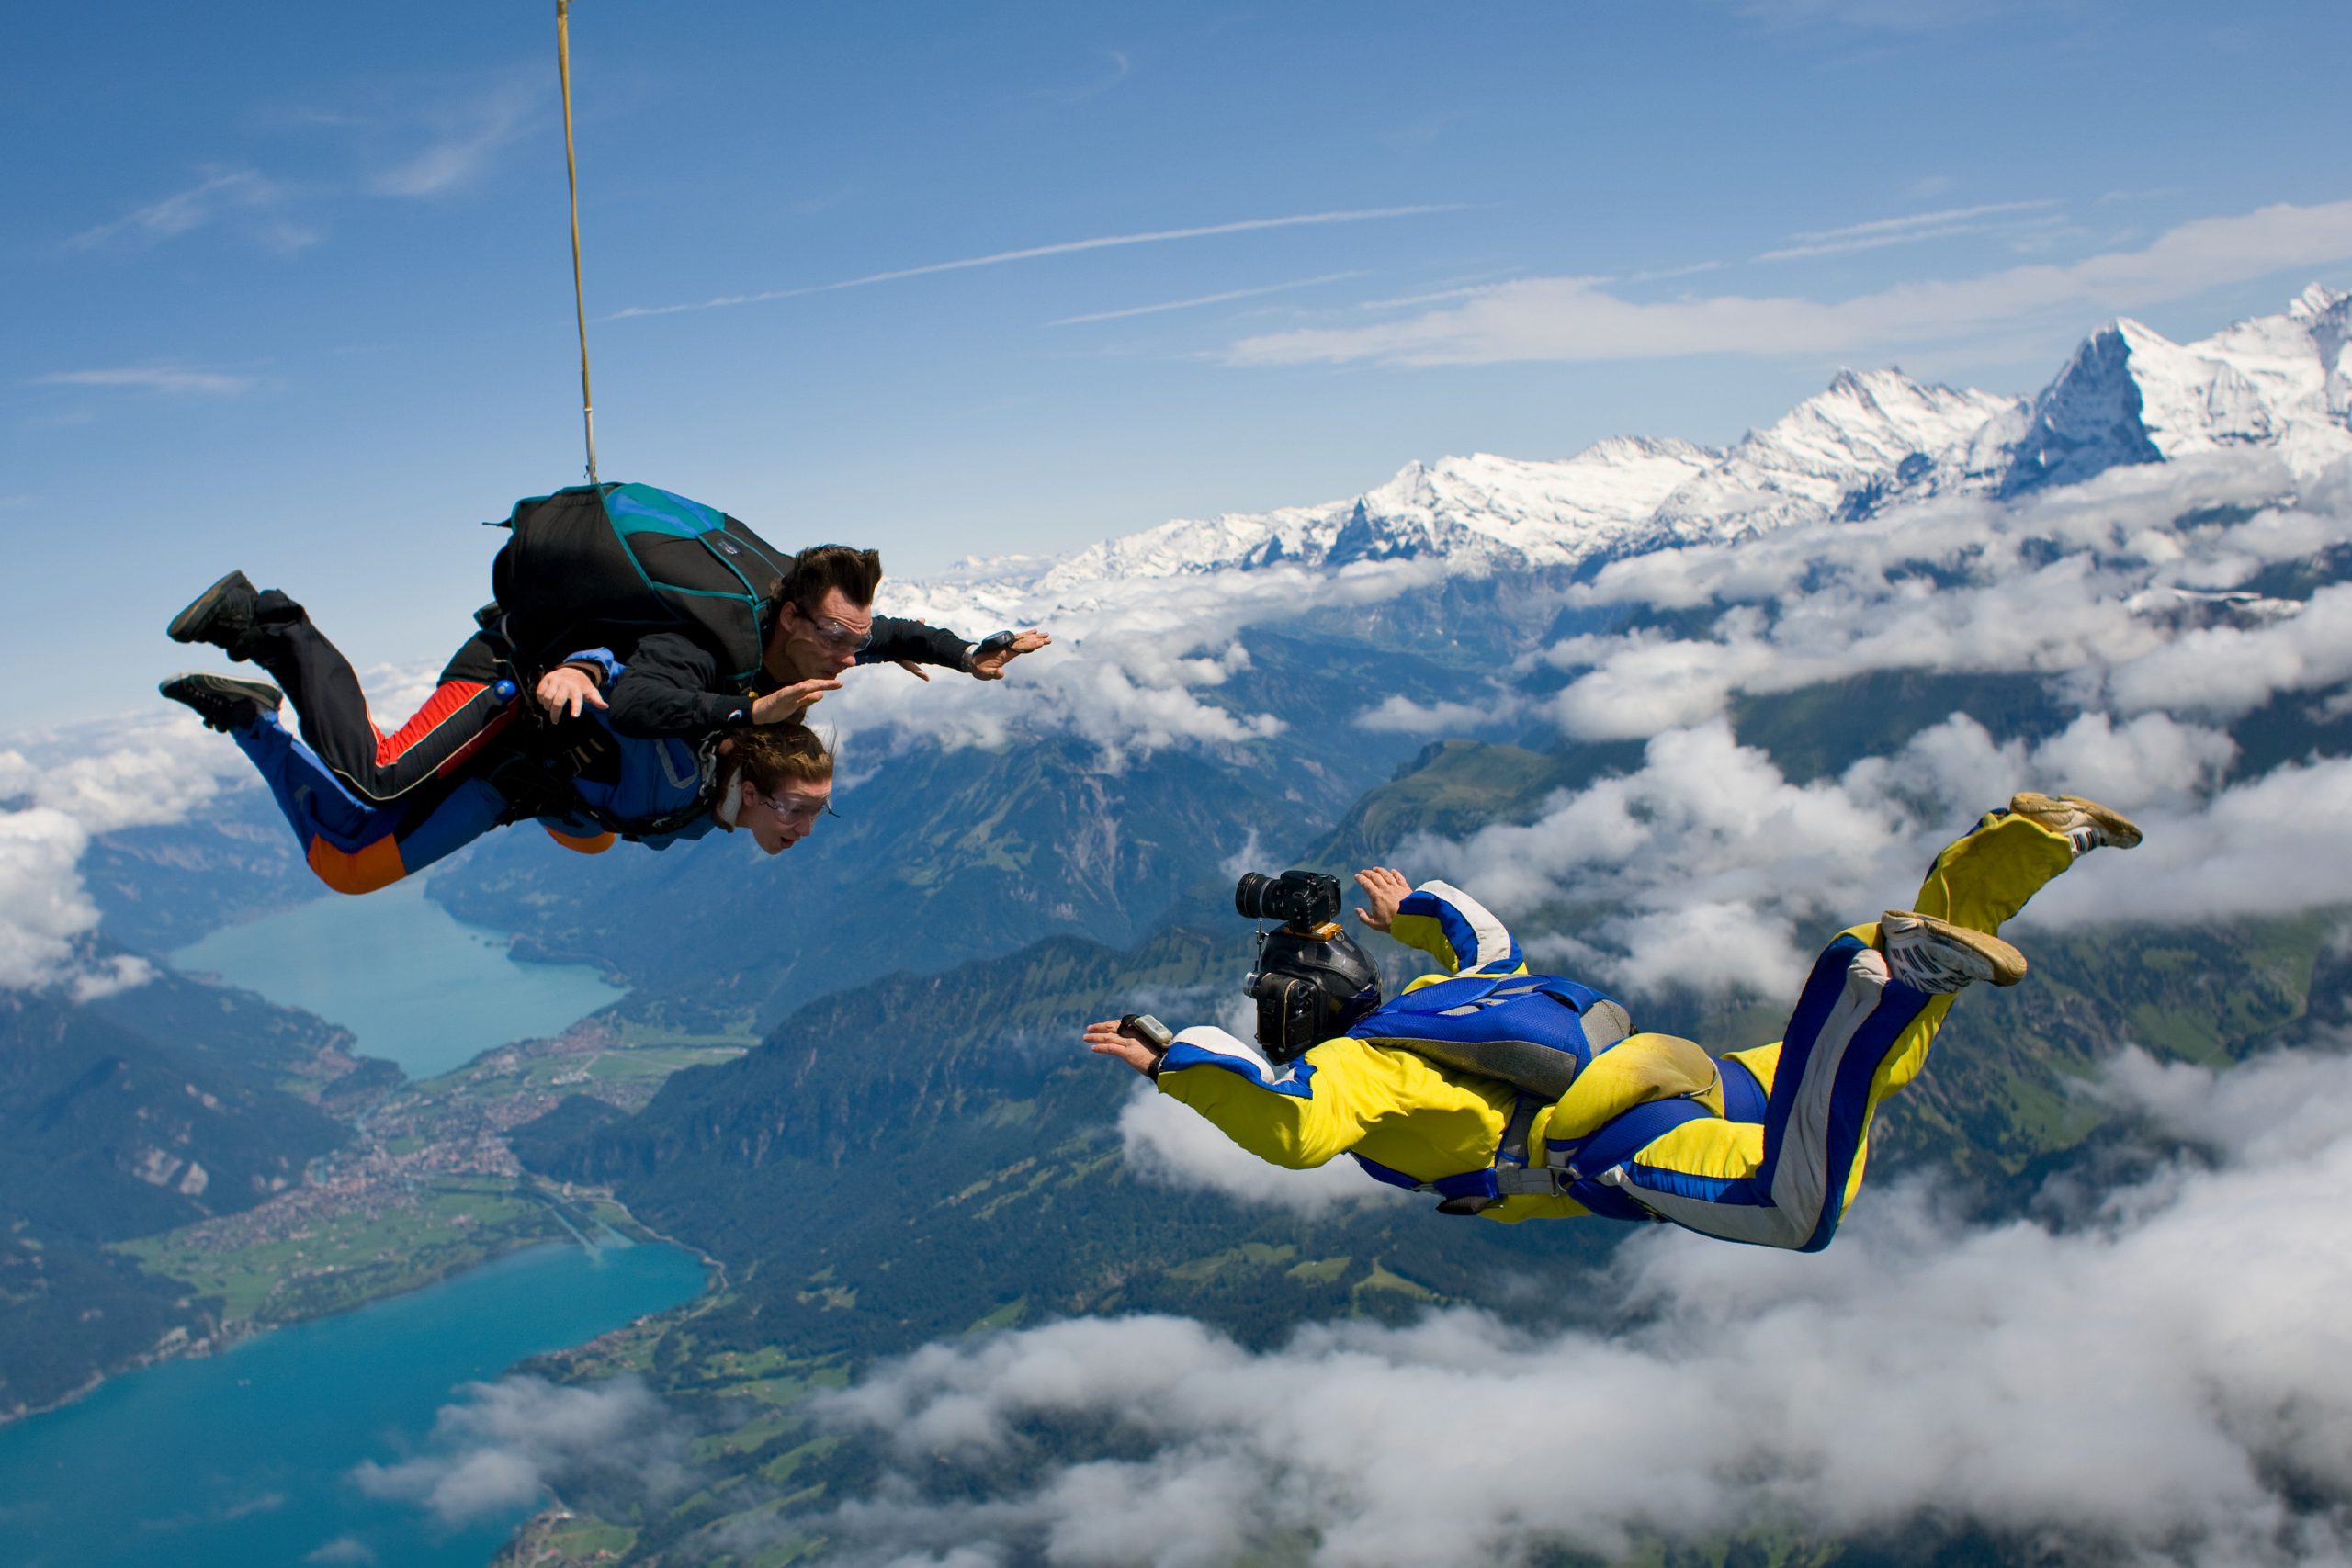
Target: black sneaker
222,615
223,702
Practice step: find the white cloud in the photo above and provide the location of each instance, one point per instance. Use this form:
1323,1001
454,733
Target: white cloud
467,134
1167,1143
1707,860
1062,248
1226,297
2167,1383
218,193
94,978
42,904
1130,666
153,379
2099,587
1400,714
129,771
2274,844
1578,319
1910,228
501,1449
2152,758
64,786
1707,869
2232,669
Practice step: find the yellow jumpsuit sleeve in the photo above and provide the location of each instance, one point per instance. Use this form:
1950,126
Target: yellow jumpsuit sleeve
1458,931
1342,1097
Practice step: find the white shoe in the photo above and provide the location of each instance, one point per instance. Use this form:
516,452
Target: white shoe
1937,957
2087,823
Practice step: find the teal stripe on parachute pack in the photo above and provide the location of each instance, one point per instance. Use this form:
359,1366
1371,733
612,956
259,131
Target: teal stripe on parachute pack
642,509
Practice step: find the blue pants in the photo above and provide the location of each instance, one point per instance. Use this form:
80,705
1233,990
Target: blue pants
354,845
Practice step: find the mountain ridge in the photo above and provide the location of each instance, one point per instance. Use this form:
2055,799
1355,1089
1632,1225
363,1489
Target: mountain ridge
2127,395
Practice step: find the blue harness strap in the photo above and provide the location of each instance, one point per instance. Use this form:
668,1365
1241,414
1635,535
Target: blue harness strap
1477,1183
1579,998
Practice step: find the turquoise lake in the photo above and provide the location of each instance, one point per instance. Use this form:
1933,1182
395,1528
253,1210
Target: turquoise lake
245,1459
395,969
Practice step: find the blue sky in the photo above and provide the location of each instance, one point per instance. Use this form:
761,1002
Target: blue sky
287,287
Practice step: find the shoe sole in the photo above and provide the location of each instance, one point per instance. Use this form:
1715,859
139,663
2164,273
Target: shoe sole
2006,961
2114,827
188,624
261,693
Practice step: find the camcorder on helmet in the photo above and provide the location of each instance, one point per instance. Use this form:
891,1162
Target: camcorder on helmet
1310,981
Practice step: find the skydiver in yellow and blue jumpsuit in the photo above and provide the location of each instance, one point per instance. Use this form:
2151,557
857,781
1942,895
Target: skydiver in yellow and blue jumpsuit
1764,1146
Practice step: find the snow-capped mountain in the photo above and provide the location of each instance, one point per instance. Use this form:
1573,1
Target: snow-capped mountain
2128,395
1477,508
1841,453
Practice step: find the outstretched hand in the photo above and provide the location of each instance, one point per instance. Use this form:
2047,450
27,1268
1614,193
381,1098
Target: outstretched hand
788,702
567,690
989,666
1109,1038
1386,888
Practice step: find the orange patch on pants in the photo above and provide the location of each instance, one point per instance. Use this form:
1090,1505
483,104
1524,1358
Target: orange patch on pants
363,869
594,846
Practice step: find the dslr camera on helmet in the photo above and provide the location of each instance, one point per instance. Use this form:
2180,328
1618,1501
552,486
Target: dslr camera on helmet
1311,982
1303,899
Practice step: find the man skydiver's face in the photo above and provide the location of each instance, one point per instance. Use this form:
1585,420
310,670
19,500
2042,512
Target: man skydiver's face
810,646
778,821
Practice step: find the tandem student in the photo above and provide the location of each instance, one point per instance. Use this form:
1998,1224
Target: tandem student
586,784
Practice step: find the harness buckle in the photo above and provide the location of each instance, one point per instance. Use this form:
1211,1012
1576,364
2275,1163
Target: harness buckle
1465,1204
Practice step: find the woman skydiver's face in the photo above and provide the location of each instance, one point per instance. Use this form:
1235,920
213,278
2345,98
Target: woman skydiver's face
778,821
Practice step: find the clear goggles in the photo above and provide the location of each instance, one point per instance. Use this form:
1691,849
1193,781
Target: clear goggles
799,807
837,635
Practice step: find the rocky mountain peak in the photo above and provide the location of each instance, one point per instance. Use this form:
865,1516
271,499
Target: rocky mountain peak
2127,395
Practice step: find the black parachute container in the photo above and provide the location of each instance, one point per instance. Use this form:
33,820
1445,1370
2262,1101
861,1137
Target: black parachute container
601,565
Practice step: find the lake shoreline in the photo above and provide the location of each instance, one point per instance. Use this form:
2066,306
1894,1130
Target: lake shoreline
427,1195
246,1450
179,1346
182,1346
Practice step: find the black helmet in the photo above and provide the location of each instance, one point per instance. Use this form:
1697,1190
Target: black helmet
1310,986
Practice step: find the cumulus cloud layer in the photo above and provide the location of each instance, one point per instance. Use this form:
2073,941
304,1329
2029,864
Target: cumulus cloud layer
1167,1143
1131,661
42,905
2168,1378
505,1445
1707,868
61,787
2126,589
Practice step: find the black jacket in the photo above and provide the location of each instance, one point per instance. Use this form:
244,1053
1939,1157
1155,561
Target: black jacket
669,686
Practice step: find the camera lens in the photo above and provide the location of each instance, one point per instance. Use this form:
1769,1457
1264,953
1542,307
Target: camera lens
1249,894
